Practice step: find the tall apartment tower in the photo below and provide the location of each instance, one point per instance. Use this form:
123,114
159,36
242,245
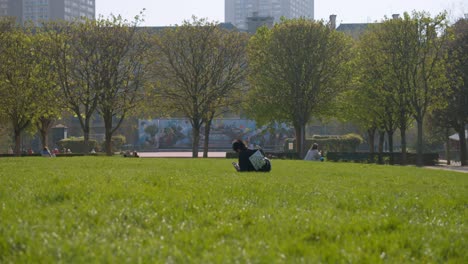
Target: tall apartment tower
10,8
40,10
237,11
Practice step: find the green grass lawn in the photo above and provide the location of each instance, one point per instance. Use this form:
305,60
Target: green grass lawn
119,210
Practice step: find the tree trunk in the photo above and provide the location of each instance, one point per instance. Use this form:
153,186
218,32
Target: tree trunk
403,145
44,138
390,145
18,127
419,147
390,141
43,125
463,157
108,135
447,146
299,129
17,143
195,141
381,146
108,144
207,138
370,139
303,147
381,141
86,131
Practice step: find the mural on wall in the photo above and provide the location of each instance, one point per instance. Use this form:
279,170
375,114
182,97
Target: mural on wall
177,133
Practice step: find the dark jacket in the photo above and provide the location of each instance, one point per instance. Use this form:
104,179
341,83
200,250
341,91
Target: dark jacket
244,162
246,165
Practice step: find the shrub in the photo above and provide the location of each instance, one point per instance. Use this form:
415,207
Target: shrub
117,142
338,143
75,144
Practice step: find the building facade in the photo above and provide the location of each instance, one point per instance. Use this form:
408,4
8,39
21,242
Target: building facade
11,8
42,10
237,12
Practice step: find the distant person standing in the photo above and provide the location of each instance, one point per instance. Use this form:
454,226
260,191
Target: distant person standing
313,153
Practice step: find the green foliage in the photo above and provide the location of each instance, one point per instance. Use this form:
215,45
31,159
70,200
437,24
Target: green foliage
113,209
429,159
21,82
343,143
199,71
75,144
101,64
416,62
117,142
454,114
297,68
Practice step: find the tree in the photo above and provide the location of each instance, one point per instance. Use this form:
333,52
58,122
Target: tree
72,53
455,113
229,68
199,69
376,87
381,65
50,102
19,80
120,53
414,46
296,69
101,65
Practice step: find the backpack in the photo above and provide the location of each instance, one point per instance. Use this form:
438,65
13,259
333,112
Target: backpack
260,162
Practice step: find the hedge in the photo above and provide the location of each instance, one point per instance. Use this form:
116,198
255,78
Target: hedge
429,159
75,144
117,142
269,154
338,143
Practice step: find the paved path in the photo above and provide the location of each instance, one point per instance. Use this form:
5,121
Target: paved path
450,168
179,154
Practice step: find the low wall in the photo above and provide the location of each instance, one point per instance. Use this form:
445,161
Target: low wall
429,159
269,154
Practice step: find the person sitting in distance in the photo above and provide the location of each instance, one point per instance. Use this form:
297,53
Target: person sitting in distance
313,153
45,152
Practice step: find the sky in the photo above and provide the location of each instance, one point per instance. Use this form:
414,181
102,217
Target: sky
172,12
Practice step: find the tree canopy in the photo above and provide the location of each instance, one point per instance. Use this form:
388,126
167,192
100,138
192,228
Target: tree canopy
296,69
198,71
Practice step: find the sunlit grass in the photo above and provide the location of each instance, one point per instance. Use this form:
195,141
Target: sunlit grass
100,209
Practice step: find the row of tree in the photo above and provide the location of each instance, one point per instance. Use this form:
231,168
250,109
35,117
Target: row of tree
399,71
114,68
410,69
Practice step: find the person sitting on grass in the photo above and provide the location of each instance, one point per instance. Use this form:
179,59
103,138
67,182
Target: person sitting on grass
313,154
249,159
45,152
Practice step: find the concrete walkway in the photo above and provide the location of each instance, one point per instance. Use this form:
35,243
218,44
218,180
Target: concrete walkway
463,169
179,154
454,166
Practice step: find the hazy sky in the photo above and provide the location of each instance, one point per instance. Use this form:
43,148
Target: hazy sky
171,12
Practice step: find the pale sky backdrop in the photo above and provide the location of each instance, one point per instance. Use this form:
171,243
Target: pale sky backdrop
171,12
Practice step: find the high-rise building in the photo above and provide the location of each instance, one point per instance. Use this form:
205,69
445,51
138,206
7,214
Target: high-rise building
237,11
10,8
40,10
